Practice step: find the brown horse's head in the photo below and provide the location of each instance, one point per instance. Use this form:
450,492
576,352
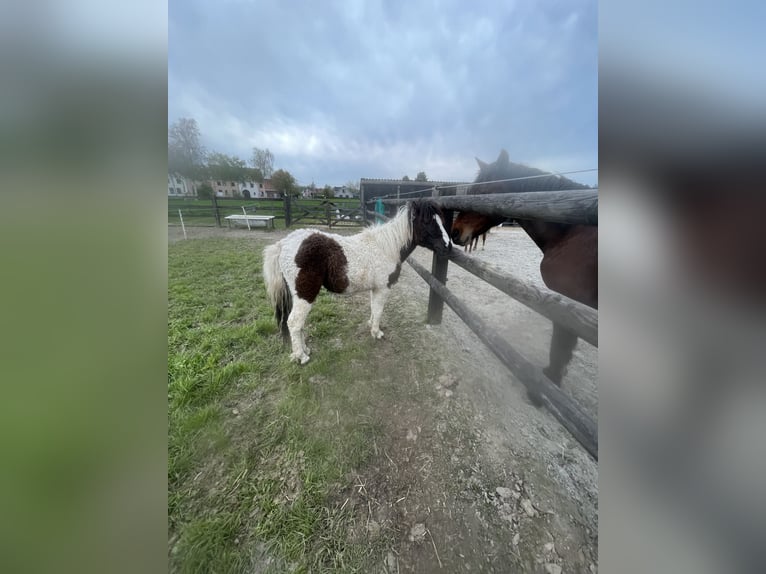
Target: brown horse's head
469,224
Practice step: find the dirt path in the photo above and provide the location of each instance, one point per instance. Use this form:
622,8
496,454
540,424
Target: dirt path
507,485
469,476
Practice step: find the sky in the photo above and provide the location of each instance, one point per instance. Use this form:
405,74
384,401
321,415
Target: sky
340,90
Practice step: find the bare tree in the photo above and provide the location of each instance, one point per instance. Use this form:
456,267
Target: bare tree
185,152
263,160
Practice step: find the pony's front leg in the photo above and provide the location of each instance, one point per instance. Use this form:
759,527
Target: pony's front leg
378,299
295,323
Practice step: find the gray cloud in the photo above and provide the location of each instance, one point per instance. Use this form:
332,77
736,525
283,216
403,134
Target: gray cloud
342,90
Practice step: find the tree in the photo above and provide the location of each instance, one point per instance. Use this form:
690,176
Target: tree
204,191
263,160
353,187
421,176
227,168
284,182
327,192
253,174
185,152
406,178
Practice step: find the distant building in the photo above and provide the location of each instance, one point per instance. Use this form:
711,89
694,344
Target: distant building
268,190
224,188
251,189
179,186
342,191
370,189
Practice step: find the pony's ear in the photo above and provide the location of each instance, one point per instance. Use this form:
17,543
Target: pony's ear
482,164
503,158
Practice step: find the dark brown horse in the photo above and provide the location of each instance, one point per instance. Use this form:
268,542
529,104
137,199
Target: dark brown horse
570,252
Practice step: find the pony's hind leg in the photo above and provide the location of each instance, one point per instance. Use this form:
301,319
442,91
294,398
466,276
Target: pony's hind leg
378,299
295,323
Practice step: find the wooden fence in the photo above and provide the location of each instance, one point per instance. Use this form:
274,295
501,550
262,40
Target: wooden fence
288,211
565,207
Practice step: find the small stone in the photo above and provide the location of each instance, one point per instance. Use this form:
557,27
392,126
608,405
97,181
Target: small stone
417,532
552,568
235,412
526,504
438,387
447,393
373,528
411,435
503,492
448,381
515,539
549,548
391,562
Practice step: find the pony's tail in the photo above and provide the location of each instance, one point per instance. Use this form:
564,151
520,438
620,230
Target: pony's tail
276,287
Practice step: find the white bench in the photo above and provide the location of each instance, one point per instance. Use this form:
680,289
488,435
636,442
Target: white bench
251,220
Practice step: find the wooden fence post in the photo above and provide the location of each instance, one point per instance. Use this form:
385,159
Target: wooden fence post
288,213
439,265
216,213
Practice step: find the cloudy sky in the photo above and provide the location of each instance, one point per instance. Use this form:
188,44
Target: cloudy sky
339,90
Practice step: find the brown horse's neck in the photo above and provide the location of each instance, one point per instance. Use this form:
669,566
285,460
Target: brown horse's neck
543,233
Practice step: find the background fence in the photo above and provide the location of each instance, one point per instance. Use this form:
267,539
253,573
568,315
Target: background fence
287,212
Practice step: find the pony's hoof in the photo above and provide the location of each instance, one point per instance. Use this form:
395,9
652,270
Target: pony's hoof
377,334
301,359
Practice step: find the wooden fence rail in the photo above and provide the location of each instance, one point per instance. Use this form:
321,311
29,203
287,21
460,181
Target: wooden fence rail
578,318
577,206
564,409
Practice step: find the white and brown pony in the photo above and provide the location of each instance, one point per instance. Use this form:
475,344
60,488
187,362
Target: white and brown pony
298,266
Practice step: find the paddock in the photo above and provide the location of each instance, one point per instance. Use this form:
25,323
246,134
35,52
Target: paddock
449,440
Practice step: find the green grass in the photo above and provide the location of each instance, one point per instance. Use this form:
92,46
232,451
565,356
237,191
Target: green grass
262,484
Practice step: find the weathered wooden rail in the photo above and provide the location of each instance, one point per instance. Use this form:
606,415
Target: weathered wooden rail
578,207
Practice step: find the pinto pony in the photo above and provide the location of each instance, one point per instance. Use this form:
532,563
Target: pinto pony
570,252
296,267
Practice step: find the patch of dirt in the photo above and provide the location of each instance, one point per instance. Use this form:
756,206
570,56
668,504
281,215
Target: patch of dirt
467,475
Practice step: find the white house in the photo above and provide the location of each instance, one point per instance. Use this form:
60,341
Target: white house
342,191
250,189
179,186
